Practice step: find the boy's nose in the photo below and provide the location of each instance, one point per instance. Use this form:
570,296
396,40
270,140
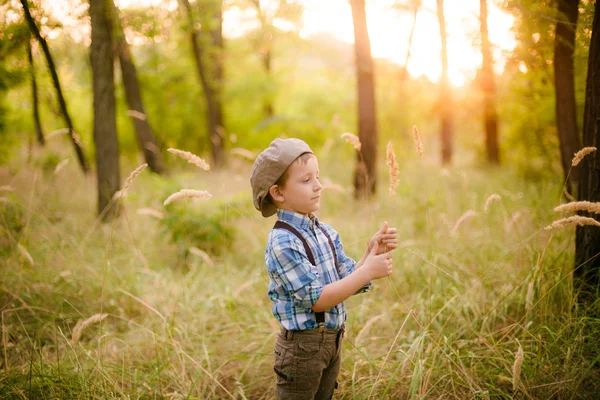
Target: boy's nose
318,186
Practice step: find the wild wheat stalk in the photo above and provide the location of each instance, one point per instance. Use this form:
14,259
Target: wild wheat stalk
244,153
574,220
469,214
352,139
151,212
202,254
61,165
529,297
579,206
25,254
188,193
516,369
366,328
84,323
133,175
393,168
582,153
417,139
191,158
489,201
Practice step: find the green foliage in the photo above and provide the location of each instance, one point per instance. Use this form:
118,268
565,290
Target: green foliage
12,223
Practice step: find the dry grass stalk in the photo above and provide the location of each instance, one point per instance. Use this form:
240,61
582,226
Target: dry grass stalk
352,139
581,154
489,201
7,188
393,168
516,368
365,329
133,175
244,153
574,220
137,115
84,323
191,158
56,133
61,165
579,206
151,212
469,214
529,297
417,138
568,195
25,254
202,254
188,193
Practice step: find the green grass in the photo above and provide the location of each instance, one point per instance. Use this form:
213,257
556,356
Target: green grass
447,324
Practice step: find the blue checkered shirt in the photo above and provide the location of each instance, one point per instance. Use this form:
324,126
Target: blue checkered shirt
295,284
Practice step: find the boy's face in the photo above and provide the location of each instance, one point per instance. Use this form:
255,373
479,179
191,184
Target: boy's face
302,190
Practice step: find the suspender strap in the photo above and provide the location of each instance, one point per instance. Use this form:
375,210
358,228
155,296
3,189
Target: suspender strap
283,225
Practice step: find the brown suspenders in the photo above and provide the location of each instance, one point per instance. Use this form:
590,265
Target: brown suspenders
283,225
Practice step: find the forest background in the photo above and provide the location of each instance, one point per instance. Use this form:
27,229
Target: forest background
169,301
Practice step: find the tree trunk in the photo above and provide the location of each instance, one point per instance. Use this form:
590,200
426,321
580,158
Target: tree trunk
208,57
105,126
564,83
144,134
34,98
264,47
365,174
404,72
587,242
488,88
61,100
445,102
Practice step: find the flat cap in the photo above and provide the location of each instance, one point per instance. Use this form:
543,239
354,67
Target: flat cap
269,166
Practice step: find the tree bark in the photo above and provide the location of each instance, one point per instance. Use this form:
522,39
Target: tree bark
416,5
366,173
39,133
61,100
208,57
445,102
264,46
143,130
564,83
587,241
488,88
105,126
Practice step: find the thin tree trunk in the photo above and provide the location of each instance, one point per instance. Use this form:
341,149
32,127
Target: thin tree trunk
365,174
61,100
488,88
34,98
143,130
564,83
105,126
264,47
445,102
587,242
410,41
210,71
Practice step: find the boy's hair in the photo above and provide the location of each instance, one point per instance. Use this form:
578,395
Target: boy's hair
302,158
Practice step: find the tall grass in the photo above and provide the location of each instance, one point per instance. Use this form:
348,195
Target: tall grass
466,304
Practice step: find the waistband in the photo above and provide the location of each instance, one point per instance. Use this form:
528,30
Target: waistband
313,334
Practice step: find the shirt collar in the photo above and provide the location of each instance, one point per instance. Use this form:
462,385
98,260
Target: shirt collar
297,219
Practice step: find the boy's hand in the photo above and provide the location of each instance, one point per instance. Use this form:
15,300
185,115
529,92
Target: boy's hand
386,238
378,265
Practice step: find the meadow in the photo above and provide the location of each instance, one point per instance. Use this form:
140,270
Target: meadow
170,302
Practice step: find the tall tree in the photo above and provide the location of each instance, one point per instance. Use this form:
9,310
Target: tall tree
61,99
587,242
564,83
105,125
445,101
413,6
365,174
265,39
207,46
143,130
488,88
34,97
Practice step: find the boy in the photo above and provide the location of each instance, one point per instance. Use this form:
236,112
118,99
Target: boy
310,275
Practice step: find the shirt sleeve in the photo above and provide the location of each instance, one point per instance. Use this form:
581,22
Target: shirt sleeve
346,265
290,268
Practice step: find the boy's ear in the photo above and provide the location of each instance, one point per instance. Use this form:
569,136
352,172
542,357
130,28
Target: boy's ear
276,194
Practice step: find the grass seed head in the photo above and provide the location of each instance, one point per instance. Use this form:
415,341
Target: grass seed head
489,201
191,158
574,220
84,323
581,154
393,168
469,214
188,193
352,139
417,138
579,206
516,369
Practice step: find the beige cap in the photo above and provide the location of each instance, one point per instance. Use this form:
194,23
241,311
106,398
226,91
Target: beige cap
269,166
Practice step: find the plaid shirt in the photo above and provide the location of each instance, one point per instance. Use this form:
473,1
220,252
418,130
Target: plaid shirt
295,284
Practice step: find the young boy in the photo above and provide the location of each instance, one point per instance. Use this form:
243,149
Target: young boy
310,275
